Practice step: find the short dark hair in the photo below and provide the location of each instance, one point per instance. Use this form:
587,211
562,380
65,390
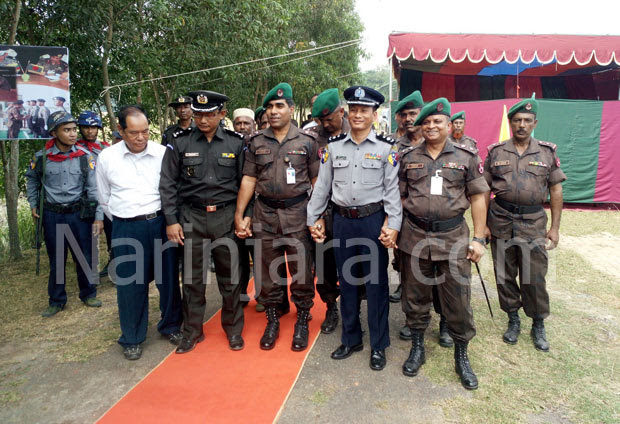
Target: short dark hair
130,110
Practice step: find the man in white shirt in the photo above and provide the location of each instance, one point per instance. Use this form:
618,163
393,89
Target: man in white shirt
128,189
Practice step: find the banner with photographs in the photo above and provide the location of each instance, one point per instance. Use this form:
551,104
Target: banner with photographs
34,83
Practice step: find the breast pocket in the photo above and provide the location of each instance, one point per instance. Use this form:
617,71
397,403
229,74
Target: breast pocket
453,177
52,176
226,168
418,182
264,161
372,172
193,167
342,171
536,181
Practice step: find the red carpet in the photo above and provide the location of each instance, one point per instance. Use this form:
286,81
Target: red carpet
213,384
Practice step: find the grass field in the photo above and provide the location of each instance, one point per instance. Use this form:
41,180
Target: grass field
576,381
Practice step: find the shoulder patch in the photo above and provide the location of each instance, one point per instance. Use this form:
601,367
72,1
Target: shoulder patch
181,132
337,137
471,150
234,133
385,138
547,144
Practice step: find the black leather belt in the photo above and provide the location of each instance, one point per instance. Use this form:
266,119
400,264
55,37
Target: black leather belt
518,209
62,208
356,212
146,217
212,208
426,225
284,203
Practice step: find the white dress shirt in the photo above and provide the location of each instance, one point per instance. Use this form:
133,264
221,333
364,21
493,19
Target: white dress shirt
128,183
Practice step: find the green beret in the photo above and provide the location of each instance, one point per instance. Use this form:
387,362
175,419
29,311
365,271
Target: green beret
458,115
439,106
524,106
280,91
325,103
412,101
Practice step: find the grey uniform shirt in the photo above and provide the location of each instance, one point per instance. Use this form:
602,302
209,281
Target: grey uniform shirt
356,175
63,180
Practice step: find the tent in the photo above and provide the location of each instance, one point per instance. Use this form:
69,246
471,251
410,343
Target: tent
575,78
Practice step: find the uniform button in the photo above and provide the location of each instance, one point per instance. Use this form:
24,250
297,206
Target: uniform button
354,198
353,182
356,166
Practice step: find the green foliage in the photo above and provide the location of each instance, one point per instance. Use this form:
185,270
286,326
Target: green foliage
26,232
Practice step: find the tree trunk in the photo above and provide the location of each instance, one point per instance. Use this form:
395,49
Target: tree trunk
104,67
11,191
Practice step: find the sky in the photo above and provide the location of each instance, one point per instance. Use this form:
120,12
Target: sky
381,17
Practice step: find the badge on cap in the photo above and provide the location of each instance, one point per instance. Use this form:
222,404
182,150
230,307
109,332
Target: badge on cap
180,100
439,107
325,111
528,106
280,92
359,93
202,99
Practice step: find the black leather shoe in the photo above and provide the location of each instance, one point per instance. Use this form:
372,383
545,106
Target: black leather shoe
187,345
511,336
377,359
300,336
417,356
445,340
132,352
539,336
331,318
405,333
236,342
272,330
344,352
395,297
174,338
463,367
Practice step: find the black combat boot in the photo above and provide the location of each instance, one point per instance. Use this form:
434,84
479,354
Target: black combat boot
416,357
300,336
514,328
272,331
331,318
539,337
444,337
395,297
463,368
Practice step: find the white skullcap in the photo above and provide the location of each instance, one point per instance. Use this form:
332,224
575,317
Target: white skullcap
243,112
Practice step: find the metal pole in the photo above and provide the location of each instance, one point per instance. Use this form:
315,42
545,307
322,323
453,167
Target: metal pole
390,96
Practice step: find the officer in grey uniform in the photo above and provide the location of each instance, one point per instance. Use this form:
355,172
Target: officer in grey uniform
69,183
359,171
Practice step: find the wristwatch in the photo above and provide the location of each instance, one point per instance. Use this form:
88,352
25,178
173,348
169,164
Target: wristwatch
480,240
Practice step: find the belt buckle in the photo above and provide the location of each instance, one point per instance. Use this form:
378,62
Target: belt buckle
150,216
211,208
354,213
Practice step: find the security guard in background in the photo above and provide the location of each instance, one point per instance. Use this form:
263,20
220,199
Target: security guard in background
281,165
200,178
438,179
183,111
89,124
359,173
70,190
327,109
458,131
522,172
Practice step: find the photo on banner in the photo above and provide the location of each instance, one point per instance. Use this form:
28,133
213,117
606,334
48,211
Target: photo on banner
34,83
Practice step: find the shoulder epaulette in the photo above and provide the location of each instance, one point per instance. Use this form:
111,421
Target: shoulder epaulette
181,132
407,150
385,138
468,149
494,145
256,134
341,136
547,144
310,134
234,133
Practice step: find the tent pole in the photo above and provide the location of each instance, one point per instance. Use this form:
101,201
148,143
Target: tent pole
389,117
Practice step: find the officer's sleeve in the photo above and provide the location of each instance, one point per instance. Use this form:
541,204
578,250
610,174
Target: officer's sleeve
556,175
322,187
487,170
249,210
168,189
103,184
314,162
391,194
33,183
249,165
91,188
474,180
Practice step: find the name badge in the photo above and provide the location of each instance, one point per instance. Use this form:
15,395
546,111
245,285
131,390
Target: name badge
192,155
290,175
501,163
437,184
415,166
263,151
